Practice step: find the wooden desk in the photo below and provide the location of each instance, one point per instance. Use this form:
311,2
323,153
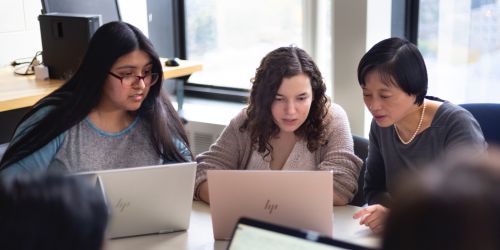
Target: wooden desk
24,91
185,69
200,236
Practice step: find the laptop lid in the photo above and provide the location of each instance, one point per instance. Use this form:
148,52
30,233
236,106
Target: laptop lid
300,199
250,234
147,200
94,181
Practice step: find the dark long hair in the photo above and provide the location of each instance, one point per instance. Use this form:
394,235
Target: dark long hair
73,101
285,62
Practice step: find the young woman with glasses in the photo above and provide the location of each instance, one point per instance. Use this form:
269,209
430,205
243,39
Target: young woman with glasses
112,113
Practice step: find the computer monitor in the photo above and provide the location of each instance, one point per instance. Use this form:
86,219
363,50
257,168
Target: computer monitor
108,9
65,38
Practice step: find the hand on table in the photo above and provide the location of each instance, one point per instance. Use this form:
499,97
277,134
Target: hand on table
373,216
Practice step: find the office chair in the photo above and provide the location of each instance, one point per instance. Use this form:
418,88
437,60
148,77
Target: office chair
360,150
488,117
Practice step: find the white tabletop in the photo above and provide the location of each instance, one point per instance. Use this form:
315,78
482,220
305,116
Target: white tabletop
199,235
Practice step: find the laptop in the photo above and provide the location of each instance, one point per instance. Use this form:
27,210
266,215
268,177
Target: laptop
299,199
147,200
250,234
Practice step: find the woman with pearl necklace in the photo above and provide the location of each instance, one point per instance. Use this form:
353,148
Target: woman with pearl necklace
409,129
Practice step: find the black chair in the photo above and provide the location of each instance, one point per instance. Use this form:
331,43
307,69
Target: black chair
360,150
488,117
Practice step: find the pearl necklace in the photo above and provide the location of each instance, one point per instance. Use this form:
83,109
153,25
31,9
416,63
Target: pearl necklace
416,131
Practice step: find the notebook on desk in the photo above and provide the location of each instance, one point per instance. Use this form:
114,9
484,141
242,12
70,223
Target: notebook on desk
299,199
147,200
250,234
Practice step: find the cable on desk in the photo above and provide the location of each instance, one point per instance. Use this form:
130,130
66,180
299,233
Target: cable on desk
26,69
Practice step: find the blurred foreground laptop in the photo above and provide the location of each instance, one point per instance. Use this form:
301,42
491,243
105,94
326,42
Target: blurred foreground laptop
300,199
250,234
147,200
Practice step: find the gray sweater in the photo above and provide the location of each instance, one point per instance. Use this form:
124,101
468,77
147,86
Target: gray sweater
84,147
452,128
233,150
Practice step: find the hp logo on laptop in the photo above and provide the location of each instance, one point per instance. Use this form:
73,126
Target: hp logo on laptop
270,207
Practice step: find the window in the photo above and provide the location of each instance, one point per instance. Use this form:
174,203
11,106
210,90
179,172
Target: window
231,37
460,41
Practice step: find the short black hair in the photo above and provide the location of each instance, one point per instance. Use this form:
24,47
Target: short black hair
51,212
399,63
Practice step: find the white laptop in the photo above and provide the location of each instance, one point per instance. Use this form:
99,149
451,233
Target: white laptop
147,200
299,199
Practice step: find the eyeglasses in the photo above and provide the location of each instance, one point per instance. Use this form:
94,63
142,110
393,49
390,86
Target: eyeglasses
148,78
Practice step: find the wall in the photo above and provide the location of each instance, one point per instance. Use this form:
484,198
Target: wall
357,25
20,30
349,45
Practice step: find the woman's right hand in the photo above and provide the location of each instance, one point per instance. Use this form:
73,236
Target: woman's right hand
373,216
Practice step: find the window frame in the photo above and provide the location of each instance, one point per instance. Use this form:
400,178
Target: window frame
193,89
405,19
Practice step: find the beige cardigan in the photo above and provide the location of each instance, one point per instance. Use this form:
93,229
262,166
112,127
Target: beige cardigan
232,150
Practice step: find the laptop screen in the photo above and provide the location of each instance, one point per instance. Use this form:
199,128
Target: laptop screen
250,234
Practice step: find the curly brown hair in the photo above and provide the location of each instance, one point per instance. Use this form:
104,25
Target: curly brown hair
285,62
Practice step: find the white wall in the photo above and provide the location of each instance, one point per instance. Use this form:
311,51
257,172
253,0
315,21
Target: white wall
20,30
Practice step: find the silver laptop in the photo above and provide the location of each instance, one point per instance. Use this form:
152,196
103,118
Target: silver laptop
147,200
299,199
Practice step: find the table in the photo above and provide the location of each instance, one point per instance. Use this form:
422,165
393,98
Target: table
184,70
199,235
23,91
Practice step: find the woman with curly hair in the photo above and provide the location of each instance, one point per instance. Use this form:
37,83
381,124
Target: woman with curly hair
289,124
